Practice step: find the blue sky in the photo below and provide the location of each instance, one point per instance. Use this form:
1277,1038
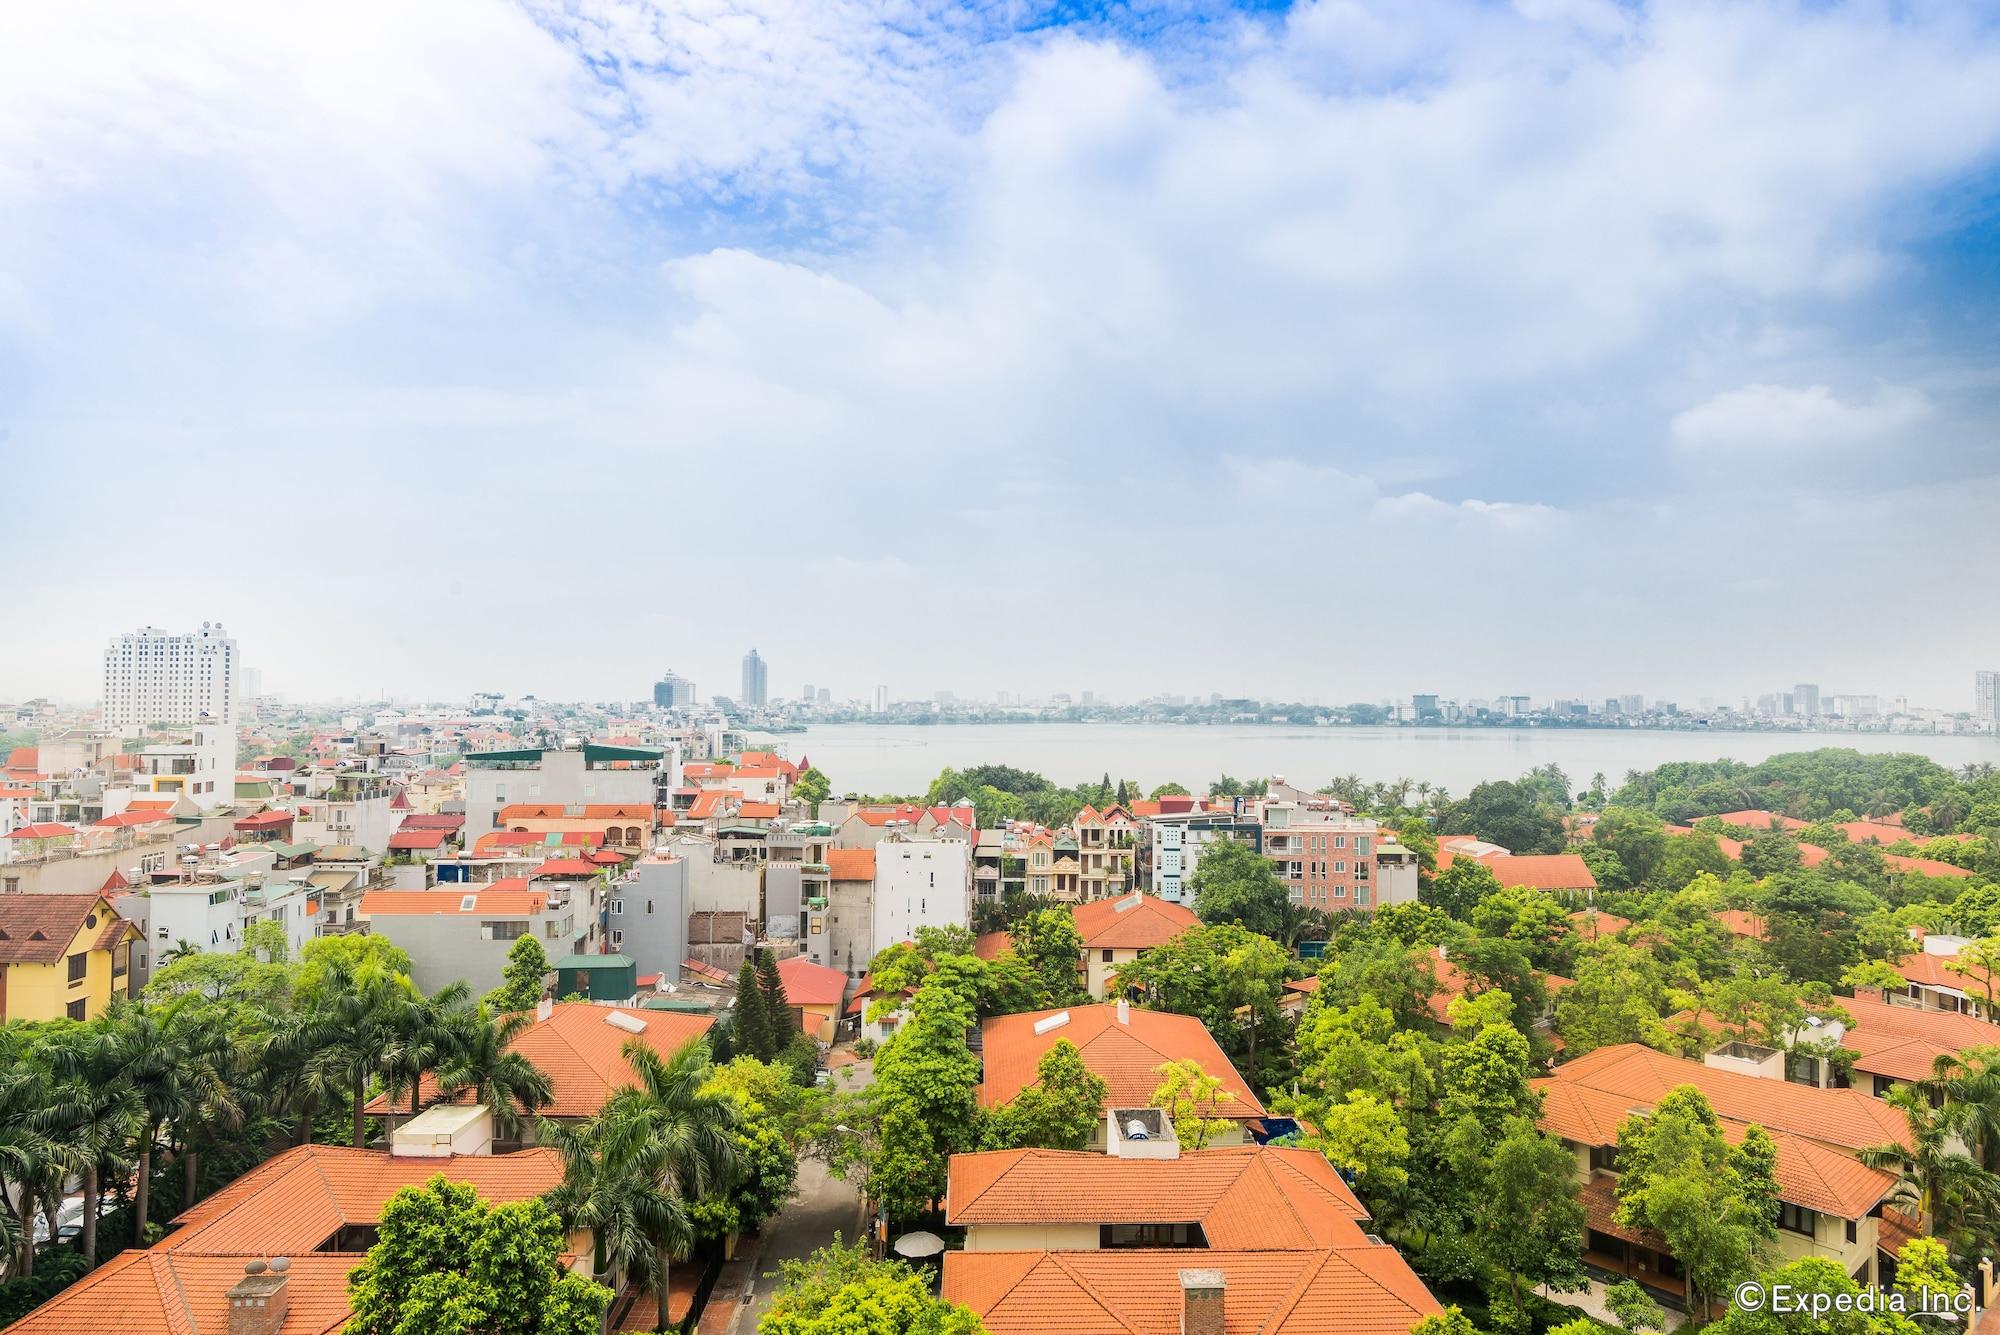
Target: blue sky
1334,350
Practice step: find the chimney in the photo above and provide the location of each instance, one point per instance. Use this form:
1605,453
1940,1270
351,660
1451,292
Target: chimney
1124,1011
259,1301
1201,1302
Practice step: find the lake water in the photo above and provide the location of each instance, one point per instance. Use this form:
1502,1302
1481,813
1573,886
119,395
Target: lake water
891,758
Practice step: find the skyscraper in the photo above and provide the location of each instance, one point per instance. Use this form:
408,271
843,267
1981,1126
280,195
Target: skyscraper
155,676
1805,699
1986,695
756,681
881,699
673,691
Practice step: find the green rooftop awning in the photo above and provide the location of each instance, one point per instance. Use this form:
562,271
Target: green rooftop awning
298,850
593,754
595,962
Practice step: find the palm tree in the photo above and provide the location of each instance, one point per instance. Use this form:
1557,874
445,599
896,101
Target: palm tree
631,1172
95,1114
26,1152
210,1060
145,1052
1943,1186
429,1034
484,1062
351,1033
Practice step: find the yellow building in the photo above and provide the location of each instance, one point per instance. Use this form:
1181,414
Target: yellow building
62,955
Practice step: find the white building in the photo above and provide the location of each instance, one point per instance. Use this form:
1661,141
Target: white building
202,768
155,676
353,811
1986,696
592,774
919,882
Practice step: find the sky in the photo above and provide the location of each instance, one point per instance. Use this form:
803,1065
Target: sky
1333,351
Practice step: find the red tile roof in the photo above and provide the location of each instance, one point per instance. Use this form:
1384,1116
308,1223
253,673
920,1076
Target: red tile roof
295,1202
1131,922
1591,924
1742,922
1539,871
1750,818
591,811
992,945
1358,1290
851,864
566,867
1928,970
583,1054
265,820
809,984
43,830
155,1292
758,810
1247,1196
1123,1055
418,839
433,820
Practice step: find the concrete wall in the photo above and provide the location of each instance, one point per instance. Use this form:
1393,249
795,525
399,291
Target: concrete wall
649,906
445,948
1031,1237
850,927
920,883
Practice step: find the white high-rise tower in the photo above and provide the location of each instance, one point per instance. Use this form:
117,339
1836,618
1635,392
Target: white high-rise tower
156,676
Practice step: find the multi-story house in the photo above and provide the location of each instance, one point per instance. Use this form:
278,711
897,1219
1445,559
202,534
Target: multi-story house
62,956
919,882
348,809
583,776
1107,851
465,933
1325,857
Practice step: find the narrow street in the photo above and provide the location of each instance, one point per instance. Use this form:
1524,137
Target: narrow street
824,1206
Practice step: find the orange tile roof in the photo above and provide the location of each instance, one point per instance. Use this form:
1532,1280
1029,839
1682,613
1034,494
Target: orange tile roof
418,839
583,1054
1123,1055
705,805
566,867
590,811
1131,922
154,1292
992,945
1742,922
508,896
294,1203
1928,970
1844,1118
758,810
1357,1290
1247,1196
1541,871
809,984
1753,819
1591,924
1923,866
851,864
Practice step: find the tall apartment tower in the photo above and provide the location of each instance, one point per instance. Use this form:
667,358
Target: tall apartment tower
756,681
673,691
1805,699
156,676
1986,696
881,699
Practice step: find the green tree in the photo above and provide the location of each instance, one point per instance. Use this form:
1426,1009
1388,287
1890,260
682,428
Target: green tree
1060,1110
1193,1100
927,1091
523,978
1213,973
1527,1221
1636,837
1235,883
1617,995
1459,888
751,1030
1364,1137
812,788
777,1006
1710,1202
841,1290
446,1263
481,1062
1047,942
1521,817
1813,1275
1634,1308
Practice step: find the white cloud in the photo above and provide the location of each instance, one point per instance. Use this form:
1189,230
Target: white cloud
1782,417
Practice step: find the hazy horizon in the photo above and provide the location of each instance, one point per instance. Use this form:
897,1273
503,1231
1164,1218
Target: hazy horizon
1325,352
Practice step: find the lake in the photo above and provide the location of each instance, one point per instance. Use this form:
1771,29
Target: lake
902,758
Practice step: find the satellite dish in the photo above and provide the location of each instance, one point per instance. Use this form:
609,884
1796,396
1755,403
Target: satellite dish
918,1244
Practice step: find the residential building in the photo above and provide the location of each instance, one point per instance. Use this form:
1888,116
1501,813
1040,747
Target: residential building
464,933
816,994
206,915
1174,838
1805,699
62,956
846,927
756,682
1117,931
919,882
646,913
201,766
1210,1242
1986,695
1828,1199
574,777
1536,871
1122,1045
155,676
1325,856
1107,851
348,809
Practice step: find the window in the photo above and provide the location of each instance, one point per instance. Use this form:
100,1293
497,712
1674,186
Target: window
1797,1219
617,939
1107,957
618,906
1853,1230
79,968
509,930
1603,1158
76,1010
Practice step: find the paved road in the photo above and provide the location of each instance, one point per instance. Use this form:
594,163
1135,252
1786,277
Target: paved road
824,1206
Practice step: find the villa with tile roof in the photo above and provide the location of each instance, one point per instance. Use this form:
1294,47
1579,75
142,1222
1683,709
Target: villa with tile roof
1830,1202
1122,1045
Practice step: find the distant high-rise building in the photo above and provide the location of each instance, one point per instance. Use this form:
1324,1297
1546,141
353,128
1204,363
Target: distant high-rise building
1424,706
756,682
1805,699
1986,695
825,696
807,694
156,676
881,699
1631,704
1089,698
673,691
